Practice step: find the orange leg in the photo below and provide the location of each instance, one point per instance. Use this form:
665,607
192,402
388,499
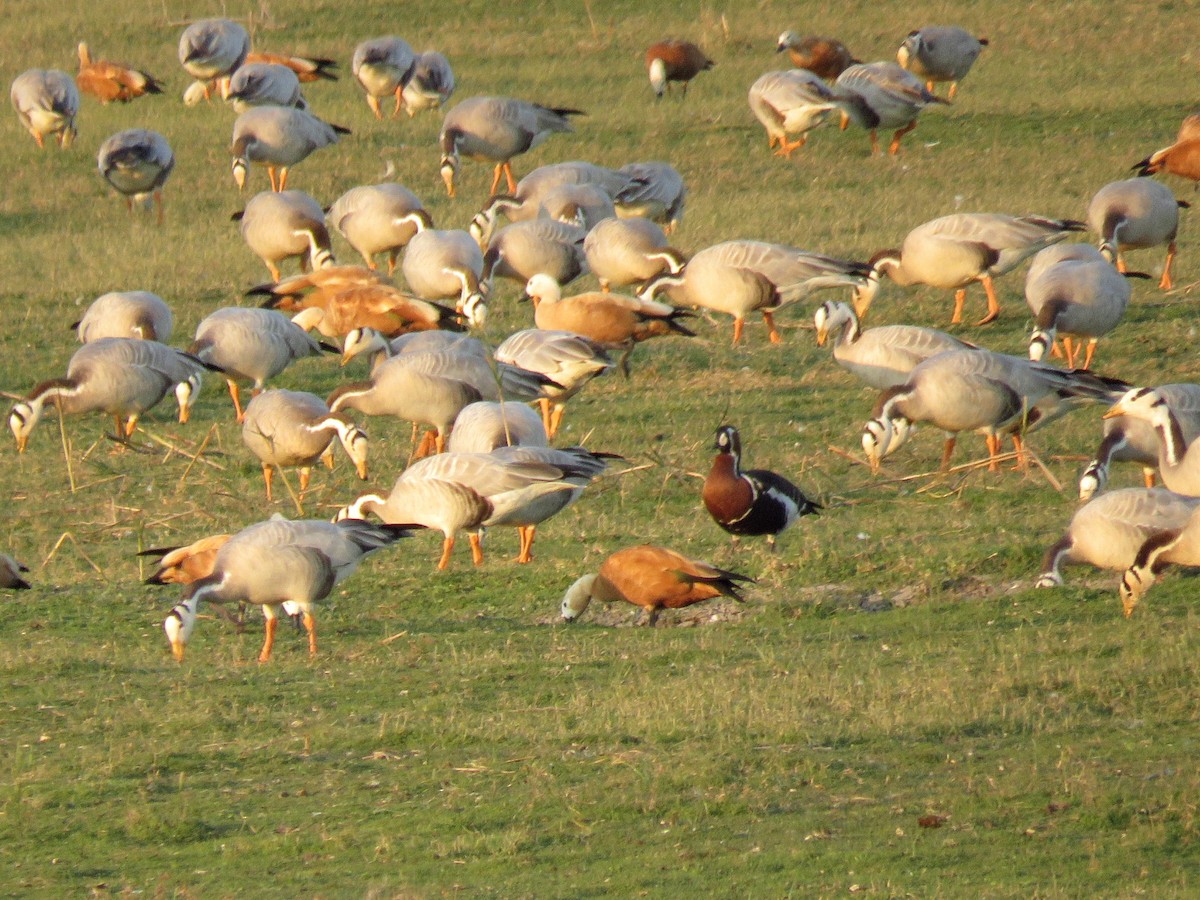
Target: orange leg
508,174
547,415
1070,350
556,422
953,90
1019,447
786,148
1166,283
235,393
948,451
1148,477
268,477
399,101
894,146
960,297
373,102
305,478
993,448
496,179
276,275
738,324
40,140
772,331
392,256
269,639
993,304
1091,352
440,442
310,625
476,540
874,143
271,175
527,533
426,445
283,174
447,546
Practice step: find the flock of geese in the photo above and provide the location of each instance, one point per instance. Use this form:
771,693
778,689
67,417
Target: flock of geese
486,459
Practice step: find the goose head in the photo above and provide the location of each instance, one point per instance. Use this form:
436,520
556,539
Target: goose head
474,309
354,442
186,393
362,340
541,288
1140,403
829,318
883,436
178,625
577,598
360,508
22,419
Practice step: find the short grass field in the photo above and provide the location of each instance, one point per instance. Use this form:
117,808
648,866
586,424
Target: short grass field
894,712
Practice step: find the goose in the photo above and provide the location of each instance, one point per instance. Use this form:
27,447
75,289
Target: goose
445,264
454,492
307,68
622,252
276,562
1108,532
673,60
486,426
977,390
368,340
431,84
318,284
1177,545
793,102
956,250
569,360
825,57
380,307
613,321
123,377
264,84
1181,158
754,501
10,574
128,314
278,137
658,193
1074,291
1131,439
539,246
1178,466
136,163
295,429
496,129
882,95
383,66
210,50
739,277
183,565
584,205
47,102
280,225
654,578
373,219
251,345
883,356
109,81
1134,214
940,53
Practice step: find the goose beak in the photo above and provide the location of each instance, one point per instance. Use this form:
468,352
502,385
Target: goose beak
822,337
177,648
448,179
22,443
185,413
1115,410
361,468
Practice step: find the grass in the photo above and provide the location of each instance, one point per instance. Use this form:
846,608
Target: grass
894,712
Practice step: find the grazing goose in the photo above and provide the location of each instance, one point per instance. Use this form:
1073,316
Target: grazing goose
613,321
368,340
1178,466
109,81
46,101
383,66
374,219
653,578
1130,439
279,562
183,565
584,205
10,574
445,264
882,95
793,102
977,390
123,377
658,193
1178,545
431,84
673,60
1108,531
454,492
280,225
251,345
486,426
882,356
754,501
496,129
536,247
1182,158
739,277
210,50
307,68
264,84
137,163
940,53
626,251
956,250
296,429
127,314
277,137
1074,291
569,360
825,57
1134,214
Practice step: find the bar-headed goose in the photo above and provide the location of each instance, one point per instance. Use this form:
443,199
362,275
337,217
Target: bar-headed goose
793,102
108,81
658,193
264,84
882,95
825,57
536,247
280,225
1178,462
487,425
368,340
1181,158
46,102
653,578
276,562
740,277
1134,214
374,219
10,574
1178,546
383,66
956,250
674,60
128,314
496,129
940,53
431,84
137,163
210,50
569,360
278,137
445,264
123,377
621,252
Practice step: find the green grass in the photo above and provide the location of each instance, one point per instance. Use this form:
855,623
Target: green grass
893,664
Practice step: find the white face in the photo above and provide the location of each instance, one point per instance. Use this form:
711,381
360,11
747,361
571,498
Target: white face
475,309
21,420
877,440
239,173
355,444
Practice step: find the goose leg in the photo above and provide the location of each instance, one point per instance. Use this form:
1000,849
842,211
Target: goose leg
447,546
269,633
268,477
40,141
993,312
476,541
844,123
874,142
392,254
508,174
738,324
894,146
158,202
1148,478
1121,267
527,534
650,616
1166,283
772,331
271,175
305,478
373,102
496,179
993,448
283,174
948,451
276,275
952,92
399,101
1091,352
130,427
960,297
1019,447
547,415
786,148
439,441
1069,350
235,393
310,625
556,421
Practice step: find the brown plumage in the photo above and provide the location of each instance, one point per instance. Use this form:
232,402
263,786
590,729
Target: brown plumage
1182,158
825,57
109,81
382,307
183,565
318,284
653,578
673,60
307,68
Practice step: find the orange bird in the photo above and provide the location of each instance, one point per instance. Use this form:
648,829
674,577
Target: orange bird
673,60
109,81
